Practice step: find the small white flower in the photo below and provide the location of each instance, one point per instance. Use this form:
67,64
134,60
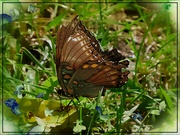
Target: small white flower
48,112
78,128
127,114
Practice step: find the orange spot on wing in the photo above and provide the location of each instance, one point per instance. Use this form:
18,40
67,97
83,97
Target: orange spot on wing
94,65
85,66
67,77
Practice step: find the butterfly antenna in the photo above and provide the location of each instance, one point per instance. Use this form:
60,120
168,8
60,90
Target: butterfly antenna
72,101
78,102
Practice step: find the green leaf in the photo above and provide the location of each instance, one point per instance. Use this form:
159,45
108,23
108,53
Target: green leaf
49,84
104,117
162,106
155,112
168,99
55,22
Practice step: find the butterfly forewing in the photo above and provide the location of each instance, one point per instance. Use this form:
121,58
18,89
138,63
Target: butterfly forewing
77,50
76,25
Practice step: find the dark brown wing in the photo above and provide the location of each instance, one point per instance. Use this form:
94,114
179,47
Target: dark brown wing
92,76
82,67
76,25
76,51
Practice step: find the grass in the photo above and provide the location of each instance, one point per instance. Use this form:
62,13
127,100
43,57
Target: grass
28,60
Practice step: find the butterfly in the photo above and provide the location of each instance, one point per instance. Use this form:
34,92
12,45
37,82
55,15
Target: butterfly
83,68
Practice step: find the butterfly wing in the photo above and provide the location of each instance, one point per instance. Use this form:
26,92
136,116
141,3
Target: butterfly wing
93,75
75,51
62,67
82,68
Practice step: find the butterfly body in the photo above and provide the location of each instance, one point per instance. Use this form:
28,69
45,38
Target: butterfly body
83,69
